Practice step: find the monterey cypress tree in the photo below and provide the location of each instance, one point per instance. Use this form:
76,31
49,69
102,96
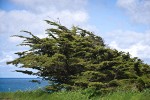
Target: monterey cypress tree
76,58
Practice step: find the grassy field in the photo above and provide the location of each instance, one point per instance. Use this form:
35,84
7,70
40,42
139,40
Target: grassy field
74,95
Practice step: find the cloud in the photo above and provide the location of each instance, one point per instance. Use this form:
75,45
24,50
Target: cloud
136,50
32,20
10,69
28,19
6,58
137,44
29,15
126,38
48,5
139,10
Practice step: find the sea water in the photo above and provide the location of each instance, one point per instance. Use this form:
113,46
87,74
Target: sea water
23,84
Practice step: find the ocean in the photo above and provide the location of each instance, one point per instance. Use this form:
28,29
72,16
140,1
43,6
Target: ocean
23,84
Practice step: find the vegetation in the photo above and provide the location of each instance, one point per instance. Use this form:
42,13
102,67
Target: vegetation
75,58
74,95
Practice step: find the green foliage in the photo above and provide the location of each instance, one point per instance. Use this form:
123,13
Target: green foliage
75,58
87,94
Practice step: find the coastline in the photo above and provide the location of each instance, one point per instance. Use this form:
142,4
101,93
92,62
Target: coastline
23,84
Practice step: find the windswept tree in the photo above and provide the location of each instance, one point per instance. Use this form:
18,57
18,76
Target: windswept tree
76,58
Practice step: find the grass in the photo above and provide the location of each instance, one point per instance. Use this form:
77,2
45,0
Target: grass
127,95
74,95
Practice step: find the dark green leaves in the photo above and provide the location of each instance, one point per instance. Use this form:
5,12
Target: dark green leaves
76,58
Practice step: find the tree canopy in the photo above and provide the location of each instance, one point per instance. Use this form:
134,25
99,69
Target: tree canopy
76,58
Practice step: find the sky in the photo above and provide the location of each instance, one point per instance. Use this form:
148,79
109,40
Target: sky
123,24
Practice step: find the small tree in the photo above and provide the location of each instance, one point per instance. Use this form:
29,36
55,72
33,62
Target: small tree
76,58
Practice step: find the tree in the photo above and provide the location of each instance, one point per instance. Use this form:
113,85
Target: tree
76,58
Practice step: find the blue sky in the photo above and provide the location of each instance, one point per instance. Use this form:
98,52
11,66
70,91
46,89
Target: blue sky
124,24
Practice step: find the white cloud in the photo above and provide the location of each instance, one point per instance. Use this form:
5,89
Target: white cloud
48,5
137,44
71,12
30,17
32,20
128,38
14,21
136,50
139,10
6,58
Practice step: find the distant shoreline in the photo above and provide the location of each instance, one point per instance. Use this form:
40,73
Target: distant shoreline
23,84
